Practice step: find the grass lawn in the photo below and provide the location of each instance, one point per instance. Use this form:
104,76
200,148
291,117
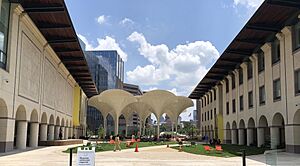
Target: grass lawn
110,147
228,150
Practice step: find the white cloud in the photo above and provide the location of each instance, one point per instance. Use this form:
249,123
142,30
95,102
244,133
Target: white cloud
248,3
126,21
102,19
183,66
107,43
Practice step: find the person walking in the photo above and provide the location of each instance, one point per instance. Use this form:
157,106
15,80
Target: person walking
117,143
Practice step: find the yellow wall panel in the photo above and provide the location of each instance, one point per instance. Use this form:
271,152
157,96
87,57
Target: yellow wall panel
76,107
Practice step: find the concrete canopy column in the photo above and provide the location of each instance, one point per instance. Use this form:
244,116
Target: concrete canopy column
34,132
21,134
51,132
250,132
260,136
275,136
126,130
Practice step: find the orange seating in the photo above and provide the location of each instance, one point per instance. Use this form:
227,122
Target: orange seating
219,148
138,140
132,140
207,148
111,141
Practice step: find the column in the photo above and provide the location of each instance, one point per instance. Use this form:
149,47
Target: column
116,125
21,134
34,134
43,132
126,130
66,132
233,136
260,136
62,132
51,132
105,125
56,133
144,128
249,136
241,137
158,132
140,128
274,137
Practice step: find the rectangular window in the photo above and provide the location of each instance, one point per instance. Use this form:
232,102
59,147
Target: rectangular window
211,97
215,94
211,114
275,51
4,22
233,81
296,36
261,61
297,81
233,106
204,101
208,115
227,85
205,116
249,70
240,76
276,90
262,95
241,103
227,108
250,99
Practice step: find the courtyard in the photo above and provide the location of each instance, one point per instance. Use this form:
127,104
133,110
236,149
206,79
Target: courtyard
156,155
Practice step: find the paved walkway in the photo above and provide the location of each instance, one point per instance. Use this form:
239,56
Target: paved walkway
159,155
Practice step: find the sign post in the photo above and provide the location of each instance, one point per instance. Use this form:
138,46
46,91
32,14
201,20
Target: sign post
86,157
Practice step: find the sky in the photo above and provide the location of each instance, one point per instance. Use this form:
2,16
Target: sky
166,44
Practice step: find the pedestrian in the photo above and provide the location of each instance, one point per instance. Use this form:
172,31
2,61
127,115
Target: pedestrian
60,134
180,144
117,143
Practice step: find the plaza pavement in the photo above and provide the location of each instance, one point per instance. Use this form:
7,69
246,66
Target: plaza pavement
159,155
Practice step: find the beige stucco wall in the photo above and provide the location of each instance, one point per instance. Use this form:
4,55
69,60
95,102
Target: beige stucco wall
35,78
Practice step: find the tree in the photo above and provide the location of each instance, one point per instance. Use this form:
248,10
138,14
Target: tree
101,132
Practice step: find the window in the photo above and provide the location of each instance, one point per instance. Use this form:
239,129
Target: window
297,81
241,103
204,116
233,106
233,81
262,95
227,108
240,76
227,85
215,113
296,36
261,61
204,101
215,94
211,114
275,51
4,22
211,97
276,90
250,99
249,70
208,115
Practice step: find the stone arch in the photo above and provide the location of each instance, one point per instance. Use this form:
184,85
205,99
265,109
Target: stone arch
51,120
3,108
242,124
251,123
263,122
234,126
44,119
21,113
228,133
277,131
34,116
296,131
57,122
277,120
296,119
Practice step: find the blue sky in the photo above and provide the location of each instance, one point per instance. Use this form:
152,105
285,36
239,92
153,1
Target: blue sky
167,44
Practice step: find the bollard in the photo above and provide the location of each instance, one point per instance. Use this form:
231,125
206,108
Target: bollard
71,149
244,157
